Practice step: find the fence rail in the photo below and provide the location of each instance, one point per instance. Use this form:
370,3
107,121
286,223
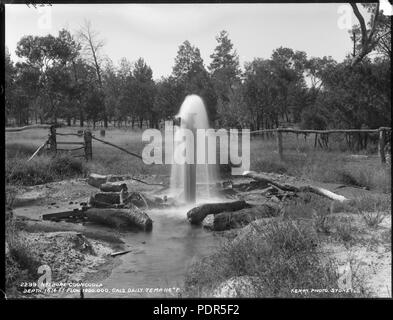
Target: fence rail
324,133
37,126
88,137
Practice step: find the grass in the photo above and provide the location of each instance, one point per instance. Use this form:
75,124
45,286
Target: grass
331,166
282,255
373,219
20,264
345,231
43,169
364,203
300,157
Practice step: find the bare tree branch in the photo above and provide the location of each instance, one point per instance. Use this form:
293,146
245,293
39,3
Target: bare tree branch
367,41
361,21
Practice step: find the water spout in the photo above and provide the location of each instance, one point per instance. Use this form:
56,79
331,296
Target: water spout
192,180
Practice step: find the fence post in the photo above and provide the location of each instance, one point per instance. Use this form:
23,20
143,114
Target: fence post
279,143
381,145
88,145
52,140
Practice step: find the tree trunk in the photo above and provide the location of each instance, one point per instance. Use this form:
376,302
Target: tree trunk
291,188
130,219
113,187
197,214
238,219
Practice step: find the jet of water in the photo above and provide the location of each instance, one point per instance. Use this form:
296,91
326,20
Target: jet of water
191,182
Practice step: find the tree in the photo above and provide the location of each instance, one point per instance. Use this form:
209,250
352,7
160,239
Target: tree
315,69
354,96
384,37
370,36
289,67
261,92
112,91
83,77
92,47
10,77
224,68
48,56
188,60
144,92
169,96
190,74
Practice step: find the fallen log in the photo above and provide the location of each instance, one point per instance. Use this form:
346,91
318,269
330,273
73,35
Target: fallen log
123,198
288,187
105,197
238,219
197,214
99,204
116,178
75,214
132,218
119,253
113,187
96,180
144,200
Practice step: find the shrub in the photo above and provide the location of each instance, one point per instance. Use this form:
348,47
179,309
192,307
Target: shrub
270,166
373,219
67,166
20,150
366,203
43,169
282,254
19,263
345,231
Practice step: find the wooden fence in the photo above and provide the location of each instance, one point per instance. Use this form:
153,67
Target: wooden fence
325,133
54,145
87,146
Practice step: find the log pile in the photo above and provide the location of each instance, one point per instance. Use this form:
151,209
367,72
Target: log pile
289,188
119,209
237,214
113,206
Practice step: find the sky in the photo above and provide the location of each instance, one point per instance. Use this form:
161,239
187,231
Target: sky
155,31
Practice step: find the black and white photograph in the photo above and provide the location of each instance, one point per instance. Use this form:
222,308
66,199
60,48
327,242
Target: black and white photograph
197,150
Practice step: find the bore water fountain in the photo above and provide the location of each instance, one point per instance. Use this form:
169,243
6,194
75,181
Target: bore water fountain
160,258
192,179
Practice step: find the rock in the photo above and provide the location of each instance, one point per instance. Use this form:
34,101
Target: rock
239,287
96,180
